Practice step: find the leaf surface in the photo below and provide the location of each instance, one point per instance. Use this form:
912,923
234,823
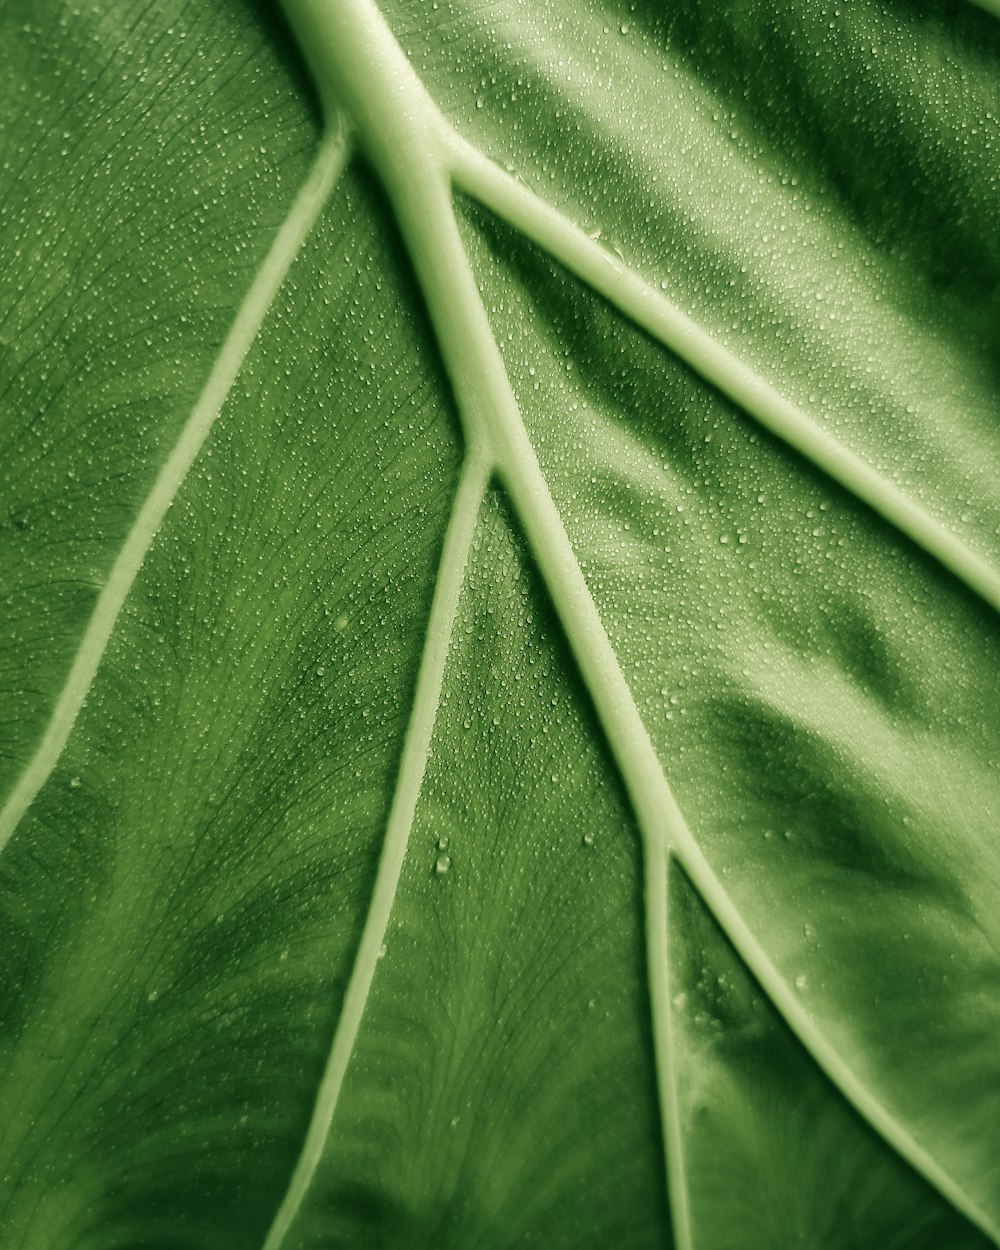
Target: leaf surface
499,731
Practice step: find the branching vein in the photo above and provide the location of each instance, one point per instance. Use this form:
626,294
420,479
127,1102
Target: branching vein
440,624
657,863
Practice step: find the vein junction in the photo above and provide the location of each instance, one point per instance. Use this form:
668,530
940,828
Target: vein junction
360,68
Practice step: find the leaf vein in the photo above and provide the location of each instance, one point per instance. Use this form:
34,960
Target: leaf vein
626,290
327,167
420,160
413,761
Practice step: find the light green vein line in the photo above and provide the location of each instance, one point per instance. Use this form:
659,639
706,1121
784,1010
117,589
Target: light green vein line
622,287
440,624
490,412
657,862
327,167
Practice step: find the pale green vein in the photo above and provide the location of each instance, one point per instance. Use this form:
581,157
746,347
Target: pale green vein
440,624
656,867
627,291
326,169
359,65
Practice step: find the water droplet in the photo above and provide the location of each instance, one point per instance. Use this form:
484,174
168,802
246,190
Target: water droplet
588,839
442,864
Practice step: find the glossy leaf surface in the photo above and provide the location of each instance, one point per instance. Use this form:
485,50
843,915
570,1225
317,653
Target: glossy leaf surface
672,700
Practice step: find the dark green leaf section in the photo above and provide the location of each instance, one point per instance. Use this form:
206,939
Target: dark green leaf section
148,155
773,1158
181,907
880,110
503,1091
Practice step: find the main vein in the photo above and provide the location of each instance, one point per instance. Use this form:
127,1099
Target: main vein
326,168
454,556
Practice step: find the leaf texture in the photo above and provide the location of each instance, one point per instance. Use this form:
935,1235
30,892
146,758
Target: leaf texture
501,578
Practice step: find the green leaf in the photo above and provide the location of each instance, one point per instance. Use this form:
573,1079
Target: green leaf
501,563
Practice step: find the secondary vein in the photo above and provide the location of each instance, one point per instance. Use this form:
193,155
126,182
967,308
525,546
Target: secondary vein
326,169
440,625
627,291
657,864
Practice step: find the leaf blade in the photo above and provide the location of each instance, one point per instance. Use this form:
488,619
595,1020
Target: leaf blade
819,707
